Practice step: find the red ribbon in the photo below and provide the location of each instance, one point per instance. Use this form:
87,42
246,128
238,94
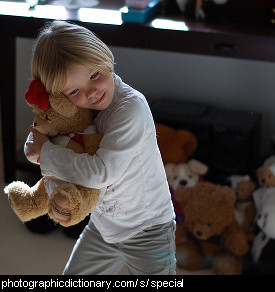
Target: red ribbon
37,94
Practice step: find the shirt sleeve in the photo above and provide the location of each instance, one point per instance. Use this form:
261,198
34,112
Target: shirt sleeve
126,130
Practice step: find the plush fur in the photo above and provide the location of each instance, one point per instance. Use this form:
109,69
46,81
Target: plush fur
185,174
175,146
209,236
245,210
263,248
266,173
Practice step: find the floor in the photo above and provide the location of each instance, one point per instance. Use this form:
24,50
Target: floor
23,252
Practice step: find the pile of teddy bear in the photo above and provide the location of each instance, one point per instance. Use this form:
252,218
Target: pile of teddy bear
228,227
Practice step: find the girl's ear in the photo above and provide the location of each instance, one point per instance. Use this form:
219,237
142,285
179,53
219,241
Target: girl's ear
63,106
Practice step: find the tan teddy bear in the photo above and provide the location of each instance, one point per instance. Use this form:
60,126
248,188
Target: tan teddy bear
209,236
67,204
266,173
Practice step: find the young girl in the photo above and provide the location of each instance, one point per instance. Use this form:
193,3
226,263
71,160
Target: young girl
133,222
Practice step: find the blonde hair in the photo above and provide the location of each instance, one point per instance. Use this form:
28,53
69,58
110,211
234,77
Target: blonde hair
60,43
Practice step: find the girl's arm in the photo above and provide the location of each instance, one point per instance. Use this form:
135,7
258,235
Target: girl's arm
126,129
32,149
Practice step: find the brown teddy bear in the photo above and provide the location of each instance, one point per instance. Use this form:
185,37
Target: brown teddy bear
67,204
175,145
209,236
245,210
266,173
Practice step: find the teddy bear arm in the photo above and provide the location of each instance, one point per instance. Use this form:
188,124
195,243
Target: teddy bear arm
75,146
91,143
235,240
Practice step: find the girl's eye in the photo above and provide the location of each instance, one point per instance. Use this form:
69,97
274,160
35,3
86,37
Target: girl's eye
94,76
74,91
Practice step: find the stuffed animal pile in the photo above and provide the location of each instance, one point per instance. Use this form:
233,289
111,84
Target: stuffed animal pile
217,225
66,203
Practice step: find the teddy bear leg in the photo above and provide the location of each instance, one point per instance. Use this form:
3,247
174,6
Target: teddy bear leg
68,204
61,207
27,202
227,264
189,257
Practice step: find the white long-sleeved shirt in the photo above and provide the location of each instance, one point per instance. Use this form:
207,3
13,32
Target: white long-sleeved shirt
127,168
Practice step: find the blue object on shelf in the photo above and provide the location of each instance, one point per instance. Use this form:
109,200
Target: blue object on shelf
140,15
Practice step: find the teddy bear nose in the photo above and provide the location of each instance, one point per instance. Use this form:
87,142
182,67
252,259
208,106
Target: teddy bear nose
34,124
183,182
199,233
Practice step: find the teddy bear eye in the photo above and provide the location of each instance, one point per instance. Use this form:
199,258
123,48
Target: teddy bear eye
259,216
209,224
175,177
47,118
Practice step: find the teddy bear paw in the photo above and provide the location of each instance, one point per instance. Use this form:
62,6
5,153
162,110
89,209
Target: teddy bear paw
61,208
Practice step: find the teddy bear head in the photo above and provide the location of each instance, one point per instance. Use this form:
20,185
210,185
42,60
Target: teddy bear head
266,173
266,177
264,199
208,208
185,174
55,115
175,146
245,190
242,185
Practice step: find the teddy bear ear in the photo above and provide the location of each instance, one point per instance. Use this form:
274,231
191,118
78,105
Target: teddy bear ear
35,108
197,166
62,105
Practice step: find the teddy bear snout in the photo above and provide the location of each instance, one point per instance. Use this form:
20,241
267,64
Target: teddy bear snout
199,233
183,182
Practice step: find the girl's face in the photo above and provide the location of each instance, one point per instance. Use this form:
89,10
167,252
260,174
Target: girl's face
87,88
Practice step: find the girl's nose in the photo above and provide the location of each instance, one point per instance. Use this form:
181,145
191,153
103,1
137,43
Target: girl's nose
91,92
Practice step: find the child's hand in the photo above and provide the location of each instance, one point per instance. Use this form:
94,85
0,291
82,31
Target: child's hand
37,143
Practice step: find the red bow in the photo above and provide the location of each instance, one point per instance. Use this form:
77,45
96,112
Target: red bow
37,94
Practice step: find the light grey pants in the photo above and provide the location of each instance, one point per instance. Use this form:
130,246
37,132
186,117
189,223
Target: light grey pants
150,252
